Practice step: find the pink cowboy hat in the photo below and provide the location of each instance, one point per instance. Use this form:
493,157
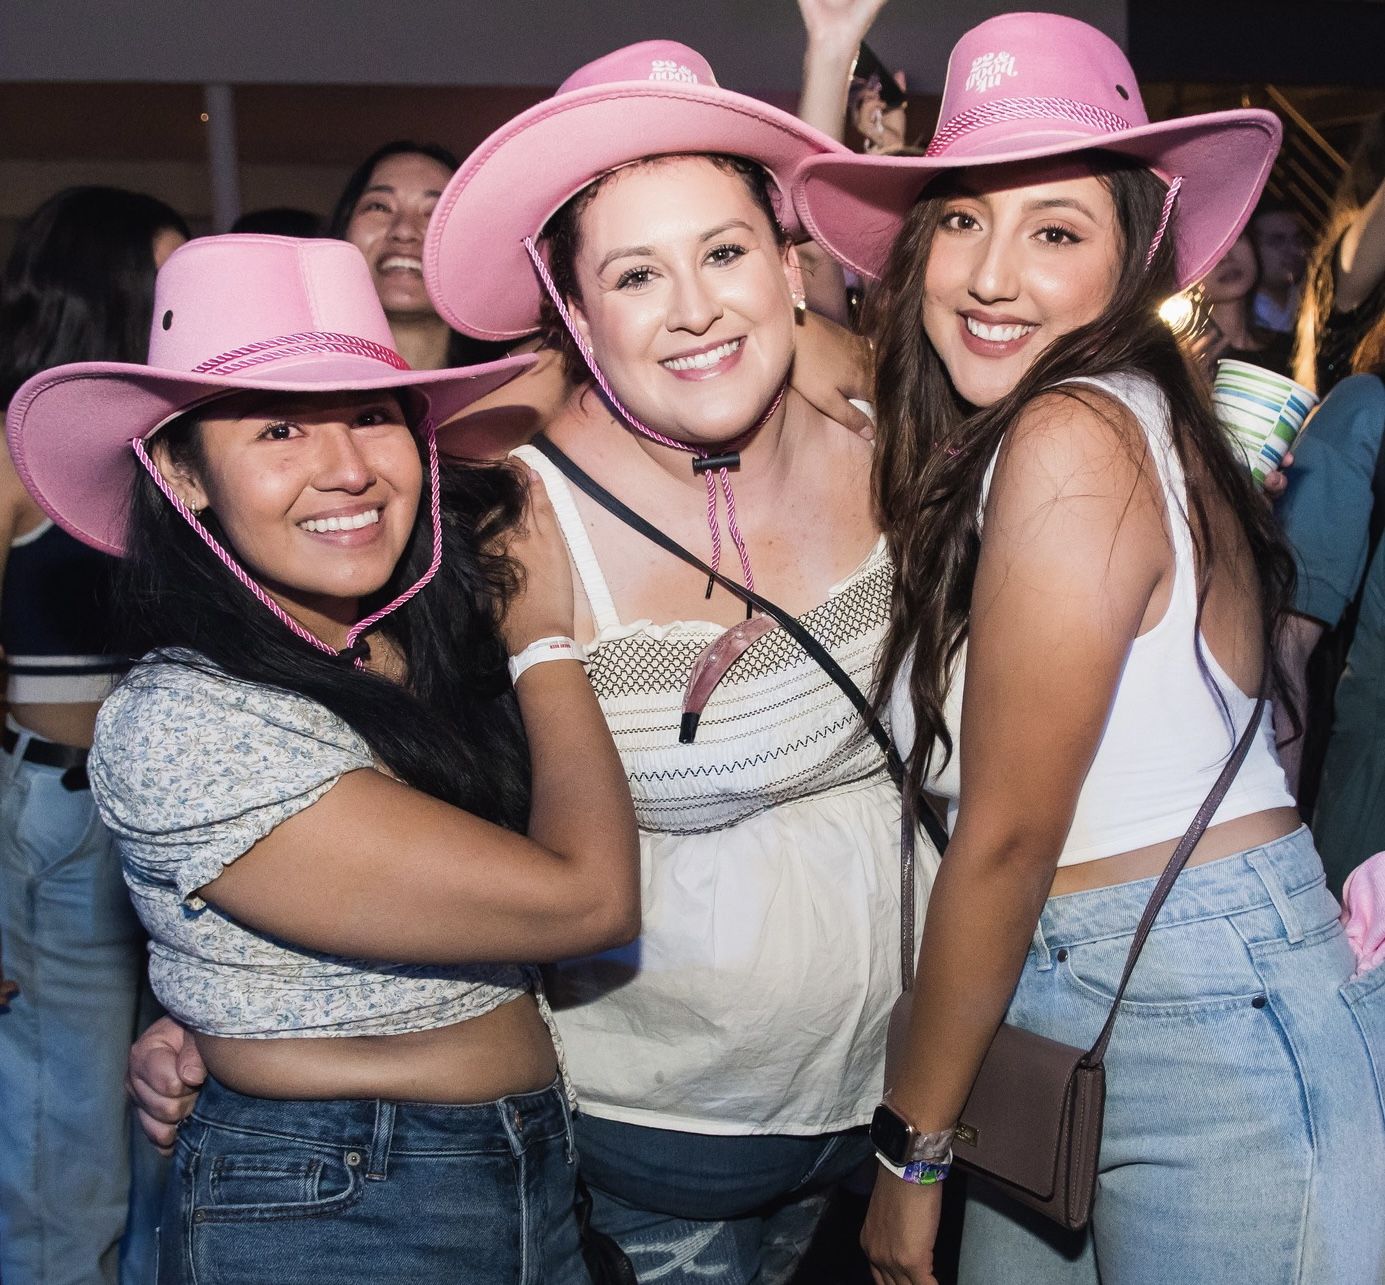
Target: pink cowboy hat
651,99
231,313
1028,85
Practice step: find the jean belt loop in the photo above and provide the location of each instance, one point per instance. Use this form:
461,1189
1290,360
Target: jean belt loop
1259,861
15,758
380,1141
1043,957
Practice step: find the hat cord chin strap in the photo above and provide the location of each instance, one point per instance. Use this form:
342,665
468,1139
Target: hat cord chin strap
1164,216
708,461
353,636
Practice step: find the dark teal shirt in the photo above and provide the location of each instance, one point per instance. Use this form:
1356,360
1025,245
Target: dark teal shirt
1326,513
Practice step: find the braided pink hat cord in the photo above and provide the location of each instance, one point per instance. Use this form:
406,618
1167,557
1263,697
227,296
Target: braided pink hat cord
1164,216
245,578
722,474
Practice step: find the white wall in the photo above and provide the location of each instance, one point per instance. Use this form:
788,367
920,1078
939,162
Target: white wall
753,44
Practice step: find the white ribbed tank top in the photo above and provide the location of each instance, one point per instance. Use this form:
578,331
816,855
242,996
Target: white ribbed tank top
1167,737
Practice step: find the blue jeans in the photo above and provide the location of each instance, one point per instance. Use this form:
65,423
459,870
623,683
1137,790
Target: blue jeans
71,940
1245,1124
357,1192
694,1207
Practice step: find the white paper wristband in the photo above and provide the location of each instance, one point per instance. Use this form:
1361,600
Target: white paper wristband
546,649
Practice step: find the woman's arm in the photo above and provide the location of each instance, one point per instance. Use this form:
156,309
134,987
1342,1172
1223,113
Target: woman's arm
835,29
1360,261
377,870
1073,548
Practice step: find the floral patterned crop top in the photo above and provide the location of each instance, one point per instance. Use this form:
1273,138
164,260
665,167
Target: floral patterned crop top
190,769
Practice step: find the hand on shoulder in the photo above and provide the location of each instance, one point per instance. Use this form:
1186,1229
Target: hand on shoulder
543,606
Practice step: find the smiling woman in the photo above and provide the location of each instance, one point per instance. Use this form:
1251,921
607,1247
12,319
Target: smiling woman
348,832
1063,219
1088,598
726,1066
383,211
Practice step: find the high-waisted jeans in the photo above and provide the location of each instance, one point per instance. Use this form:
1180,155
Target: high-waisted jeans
1245,1125
360,1192
73,1179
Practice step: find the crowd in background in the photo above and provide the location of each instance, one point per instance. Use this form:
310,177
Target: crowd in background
80,1188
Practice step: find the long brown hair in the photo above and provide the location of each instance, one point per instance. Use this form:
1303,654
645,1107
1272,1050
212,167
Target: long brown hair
932,449
1363,175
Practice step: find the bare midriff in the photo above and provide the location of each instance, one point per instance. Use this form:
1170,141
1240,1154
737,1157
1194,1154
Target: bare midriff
507,1050
1220,841
67,724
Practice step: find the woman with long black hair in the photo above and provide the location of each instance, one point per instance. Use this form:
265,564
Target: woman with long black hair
78,286
345,854
1089,591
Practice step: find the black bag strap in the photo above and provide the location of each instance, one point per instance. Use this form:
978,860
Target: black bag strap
588,485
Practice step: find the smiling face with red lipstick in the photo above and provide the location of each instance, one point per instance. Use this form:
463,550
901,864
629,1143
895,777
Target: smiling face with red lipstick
683,293
1022,254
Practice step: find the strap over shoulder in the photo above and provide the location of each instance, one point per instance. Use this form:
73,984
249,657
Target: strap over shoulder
575,536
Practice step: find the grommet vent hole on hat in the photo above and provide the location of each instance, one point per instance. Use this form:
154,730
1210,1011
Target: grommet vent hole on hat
1123,92
168,320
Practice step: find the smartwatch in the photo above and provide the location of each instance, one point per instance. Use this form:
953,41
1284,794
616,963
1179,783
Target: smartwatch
897,1141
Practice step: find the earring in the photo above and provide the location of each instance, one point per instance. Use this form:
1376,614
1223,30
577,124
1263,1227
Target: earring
800,308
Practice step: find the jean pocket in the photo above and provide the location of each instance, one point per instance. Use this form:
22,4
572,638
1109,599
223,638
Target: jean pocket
1365,999
273,1185
1184,970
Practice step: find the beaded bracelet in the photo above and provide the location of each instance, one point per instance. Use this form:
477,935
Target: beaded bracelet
924,1173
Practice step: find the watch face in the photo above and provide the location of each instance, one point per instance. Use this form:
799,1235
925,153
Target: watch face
889,1135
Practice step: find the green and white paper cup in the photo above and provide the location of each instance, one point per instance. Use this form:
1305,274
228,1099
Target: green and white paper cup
1262,411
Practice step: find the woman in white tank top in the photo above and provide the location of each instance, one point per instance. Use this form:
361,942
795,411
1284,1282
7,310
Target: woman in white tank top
1088,588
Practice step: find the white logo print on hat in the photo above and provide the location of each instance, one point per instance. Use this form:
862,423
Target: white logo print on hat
988,70
667,69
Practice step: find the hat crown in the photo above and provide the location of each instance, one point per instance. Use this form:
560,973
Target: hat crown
659,61
219,295
1042,56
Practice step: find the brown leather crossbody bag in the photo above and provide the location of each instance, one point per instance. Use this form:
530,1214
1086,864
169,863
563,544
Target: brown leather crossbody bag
1032,1122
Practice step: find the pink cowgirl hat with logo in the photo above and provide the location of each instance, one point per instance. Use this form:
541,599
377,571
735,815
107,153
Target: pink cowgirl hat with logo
1023,86
231,313
655,98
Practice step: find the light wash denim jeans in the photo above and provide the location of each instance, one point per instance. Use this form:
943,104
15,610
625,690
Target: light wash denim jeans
1245,1124
72,942
363,1192
695,1207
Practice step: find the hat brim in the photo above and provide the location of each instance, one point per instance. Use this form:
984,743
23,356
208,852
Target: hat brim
474,261
70,428
855,205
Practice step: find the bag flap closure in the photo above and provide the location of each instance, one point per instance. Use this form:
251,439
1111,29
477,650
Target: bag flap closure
1012,1124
